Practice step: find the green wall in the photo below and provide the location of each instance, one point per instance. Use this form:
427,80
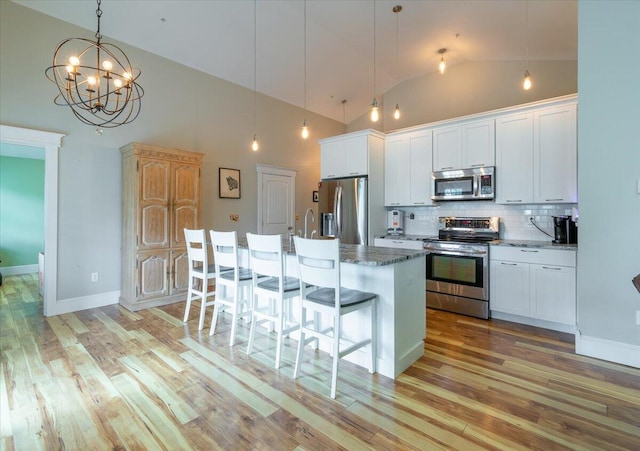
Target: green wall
21,211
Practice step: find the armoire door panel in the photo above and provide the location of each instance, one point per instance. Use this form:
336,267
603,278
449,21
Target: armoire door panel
154,227
186,184
179,272
184,217
154,181
153,272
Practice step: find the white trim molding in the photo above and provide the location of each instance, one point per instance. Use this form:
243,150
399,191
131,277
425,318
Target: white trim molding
84,302
17,270
612,351
51,143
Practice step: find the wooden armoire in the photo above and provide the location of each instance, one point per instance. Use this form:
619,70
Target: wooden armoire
160,197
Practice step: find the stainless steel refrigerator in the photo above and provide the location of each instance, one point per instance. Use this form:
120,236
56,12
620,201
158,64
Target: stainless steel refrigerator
343,208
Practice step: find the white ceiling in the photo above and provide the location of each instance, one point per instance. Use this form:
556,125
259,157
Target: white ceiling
217,37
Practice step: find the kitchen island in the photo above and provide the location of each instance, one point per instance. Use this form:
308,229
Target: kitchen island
397,276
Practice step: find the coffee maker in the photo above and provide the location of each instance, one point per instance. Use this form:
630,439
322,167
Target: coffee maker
395,221
565,230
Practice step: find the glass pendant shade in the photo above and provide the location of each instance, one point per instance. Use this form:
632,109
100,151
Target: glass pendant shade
375,115
526,84
396,113
305,130
442,66
254,144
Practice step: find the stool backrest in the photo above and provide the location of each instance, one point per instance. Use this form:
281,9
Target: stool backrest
196,246
225,250
319,262
265,255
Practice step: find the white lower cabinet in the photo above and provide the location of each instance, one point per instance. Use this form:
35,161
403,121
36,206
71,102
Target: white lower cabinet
536,284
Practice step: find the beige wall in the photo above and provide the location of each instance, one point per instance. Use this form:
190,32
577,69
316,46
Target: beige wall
181,108
468,89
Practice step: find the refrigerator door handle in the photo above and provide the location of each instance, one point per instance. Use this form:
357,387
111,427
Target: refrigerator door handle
337,211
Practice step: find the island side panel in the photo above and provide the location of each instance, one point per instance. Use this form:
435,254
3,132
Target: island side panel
401,313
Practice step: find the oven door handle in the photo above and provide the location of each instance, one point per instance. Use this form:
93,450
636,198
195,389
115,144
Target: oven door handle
461,254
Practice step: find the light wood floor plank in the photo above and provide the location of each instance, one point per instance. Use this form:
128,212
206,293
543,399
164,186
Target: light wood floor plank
182,411
154,419
5,416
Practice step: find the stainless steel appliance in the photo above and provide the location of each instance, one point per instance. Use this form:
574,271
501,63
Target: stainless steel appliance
395,222
344,210
464,184
458,265
565,230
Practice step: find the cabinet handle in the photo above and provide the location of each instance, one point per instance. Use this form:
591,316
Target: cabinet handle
551,267
418,203
448,167
508,264
514,200
331,175
354,173
553,200
527,250
394,203
477,165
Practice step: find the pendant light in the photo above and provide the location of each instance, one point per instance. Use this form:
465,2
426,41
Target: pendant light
396,10
254,143
305,125
442,66
375,115
526,83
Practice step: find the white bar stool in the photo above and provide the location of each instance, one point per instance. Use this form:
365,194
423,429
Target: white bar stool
200,273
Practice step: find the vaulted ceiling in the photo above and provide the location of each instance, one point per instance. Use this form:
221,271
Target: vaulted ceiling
217,37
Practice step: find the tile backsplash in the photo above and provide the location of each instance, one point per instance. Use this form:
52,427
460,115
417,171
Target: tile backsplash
514,219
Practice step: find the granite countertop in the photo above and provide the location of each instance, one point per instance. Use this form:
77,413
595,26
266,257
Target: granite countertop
360,254
535,244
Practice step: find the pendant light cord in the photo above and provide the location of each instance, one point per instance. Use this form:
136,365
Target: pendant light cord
526,34
305,56
374,49
255,67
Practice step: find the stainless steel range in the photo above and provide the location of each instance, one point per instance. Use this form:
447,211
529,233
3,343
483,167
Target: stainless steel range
458,265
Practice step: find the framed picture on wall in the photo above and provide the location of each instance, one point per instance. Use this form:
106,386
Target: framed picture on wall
229,185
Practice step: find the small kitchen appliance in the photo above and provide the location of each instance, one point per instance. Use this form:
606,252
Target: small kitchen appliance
565,230
395,222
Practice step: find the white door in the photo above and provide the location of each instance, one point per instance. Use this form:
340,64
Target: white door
276,191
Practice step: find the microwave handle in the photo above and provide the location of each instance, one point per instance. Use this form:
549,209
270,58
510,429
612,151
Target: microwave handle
476,185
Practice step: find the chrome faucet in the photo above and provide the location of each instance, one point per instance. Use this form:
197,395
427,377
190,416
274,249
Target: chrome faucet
313,220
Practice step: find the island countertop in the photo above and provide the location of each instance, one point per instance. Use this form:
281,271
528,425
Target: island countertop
360,254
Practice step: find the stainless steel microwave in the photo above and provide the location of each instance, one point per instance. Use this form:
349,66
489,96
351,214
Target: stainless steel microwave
464,184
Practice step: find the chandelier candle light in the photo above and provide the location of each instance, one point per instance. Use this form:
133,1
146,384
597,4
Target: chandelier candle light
96,80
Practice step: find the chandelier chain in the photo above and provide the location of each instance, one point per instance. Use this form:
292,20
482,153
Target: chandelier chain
98,35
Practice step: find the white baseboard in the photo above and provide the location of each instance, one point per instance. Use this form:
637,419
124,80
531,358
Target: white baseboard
17,270
612,351
569,329
84,302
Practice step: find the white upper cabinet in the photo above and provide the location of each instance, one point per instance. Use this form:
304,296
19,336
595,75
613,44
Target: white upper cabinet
478,144
463,146
514,159
447,148
555,155
344,156
536,156
407,160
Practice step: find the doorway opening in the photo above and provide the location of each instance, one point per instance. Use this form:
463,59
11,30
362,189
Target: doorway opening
51,142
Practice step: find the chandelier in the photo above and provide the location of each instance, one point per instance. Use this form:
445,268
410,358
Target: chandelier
96,80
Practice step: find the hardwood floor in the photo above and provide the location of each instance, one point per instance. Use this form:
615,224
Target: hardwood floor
108,378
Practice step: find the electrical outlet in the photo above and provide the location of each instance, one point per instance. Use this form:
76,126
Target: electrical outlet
297,217
638,317
94,277
234,217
